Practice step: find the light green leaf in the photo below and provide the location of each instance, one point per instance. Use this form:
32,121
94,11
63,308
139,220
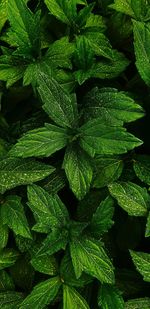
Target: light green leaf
24,25
15,172
40,142
142,49
4,233
102,219
134,199
6,282
78,170
112,105
12,214
88,255
123,6
95,22
42,294
141,165
3,13
10,300
138,303
44,264
141,261
105,138
58,104
110,297
64,11
107,170
7,258
47,208
72,299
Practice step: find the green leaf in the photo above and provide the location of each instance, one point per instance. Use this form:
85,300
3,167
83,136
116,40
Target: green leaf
13,215
123,6
54,242
138,303
107,170
141,261
142,49
15,172
147,231
141,165
88,255
68,275
72,299
24,25
6,282
10,300
110,297
7,258
10,73
54,55
99,44
47,208
107,139
95,23
112,105
102,219
44,264
134,199
3,13
42,294
40,142
64,11
78,170
58,104
4,233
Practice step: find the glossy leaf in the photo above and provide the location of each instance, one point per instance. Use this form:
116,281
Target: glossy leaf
110,297
141,261
72,299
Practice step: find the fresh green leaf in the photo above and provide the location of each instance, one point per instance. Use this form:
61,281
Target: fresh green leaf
78,170
107,170
13,215
54,242
47,208
72,299
147,231
6,282
110,297
45,264
88,255
102,219
15,172
40,142
42,294
141,165
107,139
58,104
7,258
141,261
4,233
131,197
112,105
123,6
64,11
142,49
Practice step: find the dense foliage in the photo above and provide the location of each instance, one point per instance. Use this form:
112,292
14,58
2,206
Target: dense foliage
74,154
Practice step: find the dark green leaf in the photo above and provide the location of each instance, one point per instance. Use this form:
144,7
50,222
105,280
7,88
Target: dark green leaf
141,261
12,214
42,294
78,170
10,300
138,303
110,297
15,172
45,264
7,258
142,168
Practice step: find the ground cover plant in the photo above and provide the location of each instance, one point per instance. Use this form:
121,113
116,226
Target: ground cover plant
74,154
